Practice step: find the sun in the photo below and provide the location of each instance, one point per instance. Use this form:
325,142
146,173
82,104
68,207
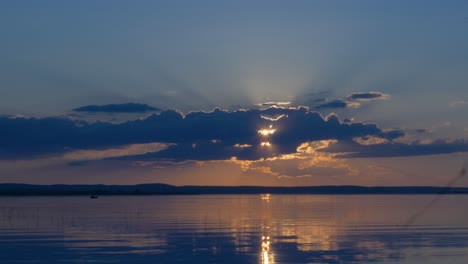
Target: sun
267,131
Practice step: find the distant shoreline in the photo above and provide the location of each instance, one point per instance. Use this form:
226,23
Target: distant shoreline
14,189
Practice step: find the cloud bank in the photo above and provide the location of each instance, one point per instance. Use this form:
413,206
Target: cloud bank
214,135
117,108
353,149
196,135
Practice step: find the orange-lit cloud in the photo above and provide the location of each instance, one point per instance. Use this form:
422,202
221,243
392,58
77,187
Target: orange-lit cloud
134,149
370,140
307,162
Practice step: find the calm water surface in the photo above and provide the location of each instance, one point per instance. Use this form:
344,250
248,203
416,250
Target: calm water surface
233,229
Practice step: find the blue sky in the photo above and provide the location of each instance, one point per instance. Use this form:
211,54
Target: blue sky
397,65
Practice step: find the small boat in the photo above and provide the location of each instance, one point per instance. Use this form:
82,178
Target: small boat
93,196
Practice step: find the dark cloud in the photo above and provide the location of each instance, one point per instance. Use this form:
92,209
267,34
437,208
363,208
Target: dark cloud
215,135
193,134
319,102
352,149
202,151
423,130
198,129
117,108
367,96
312,98
391,134
333,104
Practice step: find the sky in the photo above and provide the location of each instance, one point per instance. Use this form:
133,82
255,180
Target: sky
278,93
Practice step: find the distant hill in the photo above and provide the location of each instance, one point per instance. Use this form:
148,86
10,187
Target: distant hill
12,189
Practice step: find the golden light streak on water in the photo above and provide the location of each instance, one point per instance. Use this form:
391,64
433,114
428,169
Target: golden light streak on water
265,197
267,257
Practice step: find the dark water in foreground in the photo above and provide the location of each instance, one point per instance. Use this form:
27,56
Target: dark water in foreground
233,229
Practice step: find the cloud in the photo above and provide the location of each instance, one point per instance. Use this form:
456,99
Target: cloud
117,108
351,101
338,104
423,130
200,151
306,162
273,118
196,135
333,104
133,149
312,98
367,96
459,103
298,127
295,168
274,104
353,149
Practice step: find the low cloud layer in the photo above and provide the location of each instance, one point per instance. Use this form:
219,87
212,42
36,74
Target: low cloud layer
117,108
197,135
214,135
353,149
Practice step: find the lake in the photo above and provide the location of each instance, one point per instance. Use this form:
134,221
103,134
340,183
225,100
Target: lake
234,229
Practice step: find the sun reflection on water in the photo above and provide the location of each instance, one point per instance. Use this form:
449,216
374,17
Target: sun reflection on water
267,257
265,249
265,197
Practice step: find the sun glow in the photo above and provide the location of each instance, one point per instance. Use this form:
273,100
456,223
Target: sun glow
267,131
